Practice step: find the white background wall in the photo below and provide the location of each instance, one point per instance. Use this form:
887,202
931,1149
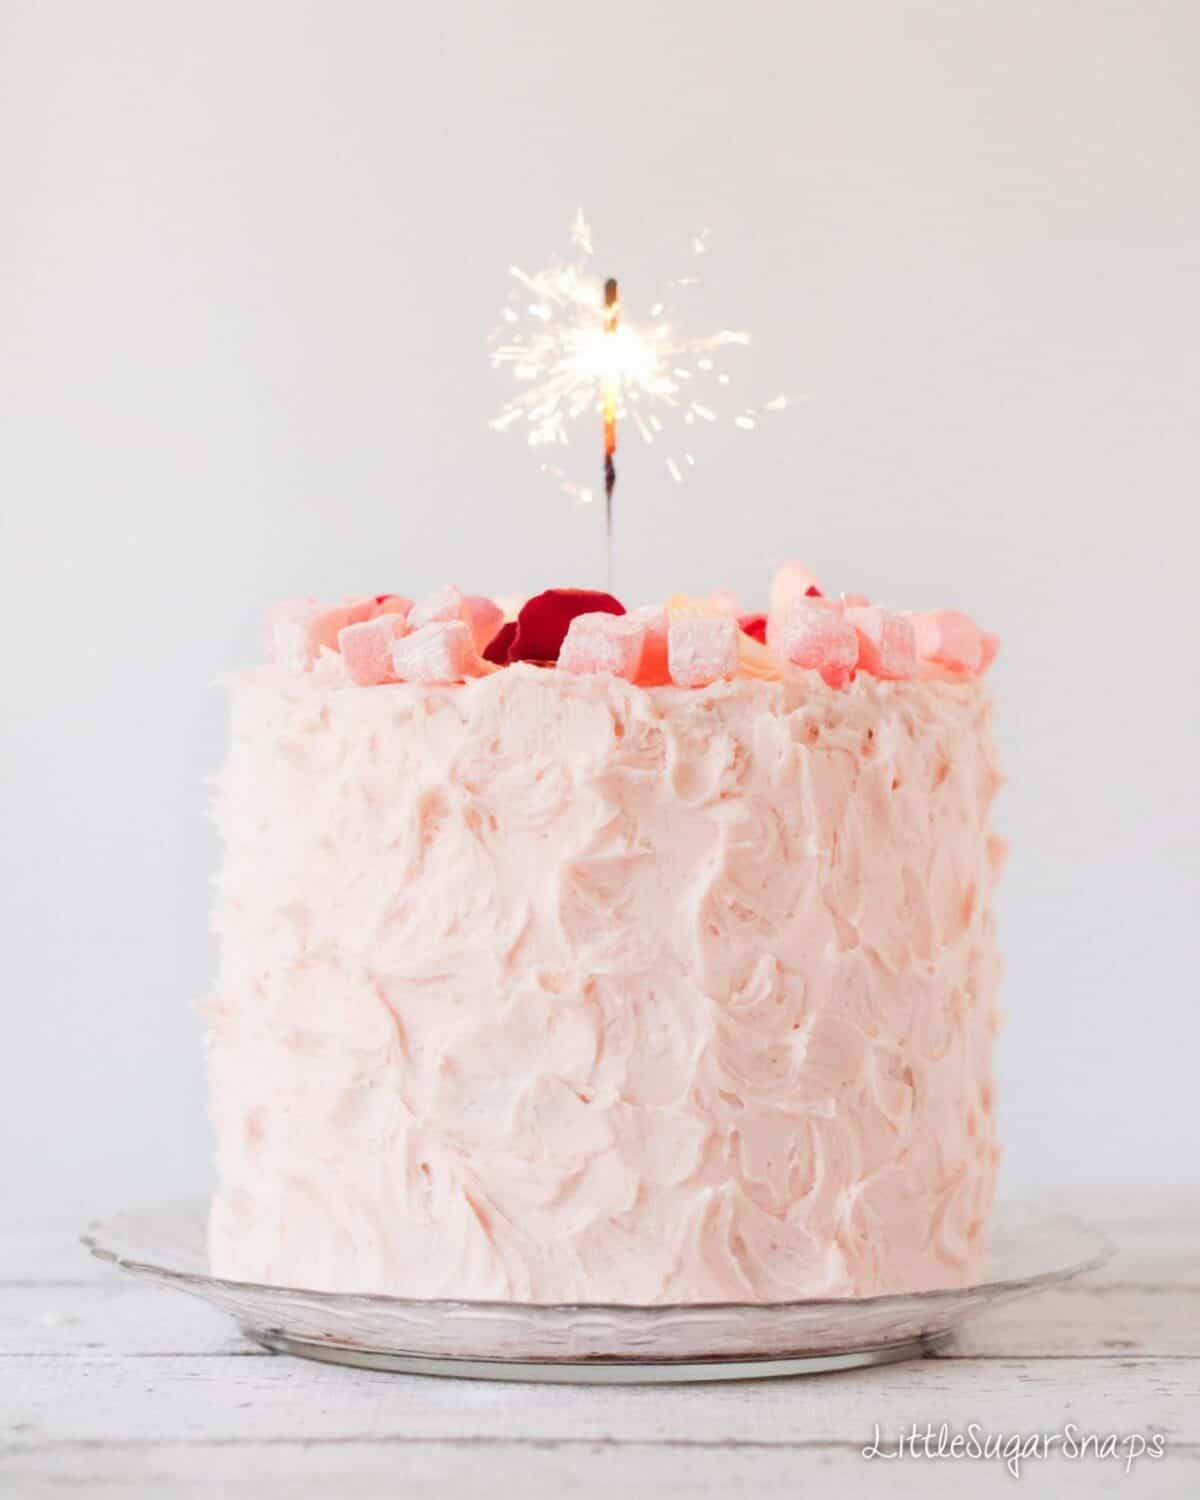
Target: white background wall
249,255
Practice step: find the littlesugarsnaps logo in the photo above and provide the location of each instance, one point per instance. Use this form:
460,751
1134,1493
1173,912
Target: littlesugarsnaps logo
1013,1449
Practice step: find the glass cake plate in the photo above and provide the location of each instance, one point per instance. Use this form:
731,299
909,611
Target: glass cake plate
596,1342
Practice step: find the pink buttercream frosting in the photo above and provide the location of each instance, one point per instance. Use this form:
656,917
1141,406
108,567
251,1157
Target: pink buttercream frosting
555,987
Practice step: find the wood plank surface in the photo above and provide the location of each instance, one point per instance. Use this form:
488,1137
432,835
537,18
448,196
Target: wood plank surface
112,1387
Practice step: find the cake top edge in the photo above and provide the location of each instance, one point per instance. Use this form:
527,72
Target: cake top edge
685,641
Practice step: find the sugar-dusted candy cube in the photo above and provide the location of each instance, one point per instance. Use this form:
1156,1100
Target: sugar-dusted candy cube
949,638
323,633
288,626
653,619
543,620
445,604
804,635
886,641
611,644
366,649
701,649
792,581
442,651
485,618
298,629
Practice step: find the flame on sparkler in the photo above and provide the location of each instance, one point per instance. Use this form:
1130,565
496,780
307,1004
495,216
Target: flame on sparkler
574,360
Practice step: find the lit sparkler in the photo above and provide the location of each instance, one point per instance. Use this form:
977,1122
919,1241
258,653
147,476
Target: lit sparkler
611,386
575,354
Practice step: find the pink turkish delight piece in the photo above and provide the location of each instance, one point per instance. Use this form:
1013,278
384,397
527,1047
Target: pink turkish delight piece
701,649
288,625
323,633
886,641
652,618
611,644
445,604
793,581
949,638
854,601
485,618
441,651
299,629
815,639
367,649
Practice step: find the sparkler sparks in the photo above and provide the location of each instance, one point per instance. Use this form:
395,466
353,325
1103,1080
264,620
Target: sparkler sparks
576,355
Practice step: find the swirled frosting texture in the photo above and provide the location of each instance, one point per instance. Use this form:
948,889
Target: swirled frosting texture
557,988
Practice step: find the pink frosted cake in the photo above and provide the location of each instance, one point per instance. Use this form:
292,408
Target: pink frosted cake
579,955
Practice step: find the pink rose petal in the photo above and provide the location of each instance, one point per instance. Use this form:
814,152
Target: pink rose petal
701,649
991,645
603,643
485,618
391,604
886,641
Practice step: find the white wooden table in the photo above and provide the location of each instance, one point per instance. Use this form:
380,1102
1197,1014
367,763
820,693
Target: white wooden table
109,1387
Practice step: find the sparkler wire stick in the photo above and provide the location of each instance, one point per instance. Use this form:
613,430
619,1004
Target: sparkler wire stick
611,313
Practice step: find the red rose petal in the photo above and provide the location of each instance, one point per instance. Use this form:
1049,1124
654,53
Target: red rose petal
542,624
813,592
497,648
755,626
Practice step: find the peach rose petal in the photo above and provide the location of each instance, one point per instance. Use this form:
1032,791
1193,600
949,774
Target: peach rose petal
724,602
792,581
